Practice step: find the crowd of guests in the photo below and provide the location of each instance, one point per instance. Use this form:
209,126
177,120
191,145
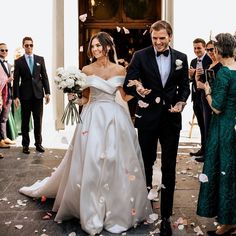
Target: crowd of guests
161,76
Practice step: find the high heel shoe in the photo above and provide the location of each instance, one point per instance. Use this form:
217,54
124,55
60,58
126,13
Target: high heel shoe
227,233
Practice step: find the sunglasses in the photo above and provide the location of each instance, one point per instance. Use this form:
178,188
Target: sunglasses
4,50
28,45
210,49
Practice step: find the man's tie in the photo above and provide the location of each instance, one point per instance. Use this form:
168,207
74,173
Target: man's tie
165,53
31,66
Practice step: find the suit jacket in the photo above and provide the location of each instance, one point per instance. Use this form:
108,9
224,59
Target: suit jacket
8,74
144,67
27,85
206,61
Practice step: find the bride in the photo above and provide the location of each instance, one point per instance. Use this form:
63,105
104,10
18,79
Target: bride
101,178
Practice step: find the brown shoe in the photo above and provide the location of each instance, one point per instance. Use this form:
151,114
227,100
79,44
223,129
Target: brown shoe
3,144
1,156
9,141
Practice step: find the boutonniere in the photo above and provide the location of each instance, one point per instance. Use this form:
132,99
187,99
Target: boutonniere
179,64
38,64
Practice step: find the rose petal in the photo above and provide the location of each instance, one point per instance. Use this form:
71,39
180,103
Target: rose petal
157,100
203,178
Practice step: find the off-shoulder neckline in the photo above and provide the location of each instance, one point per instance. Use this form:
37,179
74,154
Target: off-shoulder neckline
110,78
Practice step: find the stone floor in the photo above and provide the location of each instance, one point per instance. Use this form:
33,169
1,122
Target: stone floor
18,169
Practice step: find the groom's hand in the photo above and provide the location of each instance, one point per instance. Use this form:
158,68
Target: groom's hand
179,106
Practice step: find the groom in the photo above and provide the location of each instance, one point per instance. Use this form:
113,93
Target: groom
164,71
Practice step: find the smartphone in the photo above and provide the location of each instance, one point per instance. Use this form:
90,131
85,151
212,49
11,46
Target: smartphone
210,76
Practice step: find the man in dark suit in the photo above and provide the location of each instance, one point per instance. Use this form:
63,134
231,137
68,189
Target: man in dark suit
201,107
30,86
6,79
164,71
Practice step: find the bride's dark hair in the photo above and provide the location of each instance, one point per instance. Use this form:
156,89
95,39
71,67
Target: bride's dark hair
108,46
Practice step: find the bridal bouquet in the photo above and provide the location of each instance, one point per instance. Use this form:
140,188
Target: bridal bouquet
70,80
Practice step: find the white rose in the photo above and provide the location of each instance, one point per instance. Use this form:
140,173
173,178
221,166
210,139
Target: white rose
62,85
60,71
70,83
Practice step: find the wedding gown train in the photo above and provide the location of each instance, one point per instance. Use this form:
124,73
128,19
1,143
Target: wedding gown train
101,178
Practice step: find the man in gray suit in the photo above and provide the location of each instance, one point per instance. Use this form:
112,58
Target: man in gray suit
30,86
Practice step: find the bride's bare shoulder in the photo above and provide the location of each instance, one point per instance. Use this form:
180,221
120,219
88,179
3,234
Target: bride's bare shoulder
88,70
120,70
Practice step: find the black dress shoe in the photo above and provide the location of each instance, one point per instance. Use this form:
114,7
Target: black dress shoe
26,150
199,159
197,154
40,148
165,229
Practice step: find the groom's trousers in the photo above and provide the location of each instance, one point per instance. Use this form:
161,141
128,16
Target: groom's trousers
168,136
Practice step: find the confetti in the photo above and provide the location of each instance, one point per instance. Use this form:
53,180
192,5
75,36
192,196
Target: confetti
118,28
131,177
126,30
72,234
133,212
203,178
198,230
83,17
142,104
43,199
153,216
152,194
157,100
18,226
180,227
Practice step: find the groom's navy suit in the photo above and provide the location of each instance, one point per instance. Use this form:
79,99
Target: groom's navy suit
155,122
30,89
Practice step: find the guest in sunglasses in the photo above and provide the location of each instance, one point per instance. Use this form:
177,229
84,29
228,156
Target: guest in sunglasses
30,86
6,79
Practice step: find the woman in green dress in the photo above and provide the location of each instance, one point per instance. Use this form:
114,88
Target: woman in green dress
217,196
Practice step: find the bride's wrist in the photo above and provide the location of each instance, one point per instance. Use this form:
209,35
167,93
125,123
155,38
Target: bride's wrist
81,101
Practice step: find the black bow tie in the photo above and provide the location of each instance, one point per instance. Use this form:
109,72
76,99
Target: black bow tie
165,53
4,61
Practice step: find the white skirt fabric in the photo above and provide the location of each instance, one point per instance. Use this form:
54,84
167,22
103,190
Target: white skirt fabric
101,178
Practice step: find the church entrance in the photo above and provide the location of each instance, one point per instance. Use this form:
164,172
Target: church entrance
127,21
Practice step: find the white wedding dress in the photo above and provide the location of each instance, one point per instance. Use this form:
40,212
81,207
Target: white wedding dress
101,178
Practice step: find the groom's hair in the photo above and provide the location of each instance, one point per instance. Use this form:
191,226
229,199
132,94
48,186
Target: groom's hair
161,24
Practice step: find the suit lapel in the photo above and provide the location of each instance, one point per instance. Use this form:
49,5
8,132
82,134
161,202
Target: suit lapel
5,69
172,64
153,61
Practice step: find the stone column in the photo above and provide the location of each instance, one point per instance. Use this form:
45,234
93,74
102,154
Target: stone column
167,13
58,60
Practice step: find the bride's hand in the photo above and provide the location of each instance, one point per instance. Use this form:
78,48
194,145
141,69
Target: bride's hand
71,96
